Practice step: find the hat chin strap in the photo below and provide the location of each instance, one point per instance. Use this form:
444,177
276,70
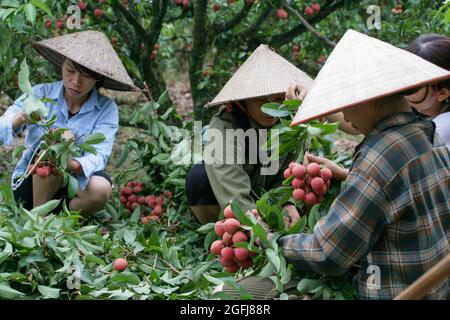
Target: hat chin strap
230,106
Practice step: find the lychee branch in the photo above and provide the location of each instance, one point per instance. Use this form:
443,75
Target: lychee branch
237,19
159,11
325,11
307,25
258,22
131,19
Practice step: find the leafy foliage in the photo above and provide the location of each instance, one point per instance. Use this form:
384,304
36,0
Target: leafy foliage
67,256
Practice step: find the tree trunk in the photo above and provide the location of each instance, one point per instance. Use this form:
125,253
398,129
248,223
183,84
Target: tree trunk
199,49
153,77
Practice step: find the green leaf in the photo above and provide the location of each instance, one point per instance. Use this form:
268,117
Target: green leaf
274,109
24,75
18,151
267,270
173,257
129,236
18,277
48,100
11,3
31,105
4,256
9,293
165,129
326,294
299,226
42,6
210,237
306,285
136,216
313,217
206,228
274,259
326,128
64,158
46,207
95,259
30,12
123,156
243,294
5,13
95,138
259,231
212,279
313,131
200,271
49,292
112,211
240,214
58,147
88,148
6,194
163,98
73,186
125,276
292,103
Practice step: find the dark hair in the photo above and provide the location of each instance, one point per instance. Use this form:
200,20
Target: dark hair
239,116
434,48
89,74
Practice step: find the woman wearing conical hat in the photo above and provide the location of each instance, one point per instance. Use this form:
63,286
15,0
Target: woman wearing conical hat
392,217
212,184
88,62
433,100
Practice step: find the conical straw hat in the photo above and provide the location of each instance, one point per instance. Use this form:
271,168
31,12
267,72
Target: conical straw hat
92,50
361,69
263,73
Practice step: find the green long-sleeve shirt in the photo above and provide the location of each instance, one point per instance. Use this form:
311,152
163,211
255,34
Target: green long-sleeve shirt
238,181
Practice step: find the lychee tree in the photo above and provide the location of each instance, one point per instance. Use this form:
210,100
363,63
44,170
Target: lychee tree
20,21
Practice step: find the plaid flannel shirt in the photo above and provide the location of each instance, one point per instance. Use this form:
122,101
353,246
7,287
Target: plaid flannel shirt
393,215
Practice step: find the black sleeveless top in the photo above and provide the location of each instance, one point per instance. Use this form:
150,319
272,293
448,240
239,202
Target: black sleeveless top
72,114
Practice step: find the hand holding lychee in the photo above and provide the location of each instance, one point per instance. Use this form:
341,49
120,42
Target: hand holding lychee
310,183
43,169
333,170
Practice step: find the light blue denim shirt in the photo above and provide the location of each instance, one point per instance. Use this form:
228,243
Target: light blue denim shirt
98,114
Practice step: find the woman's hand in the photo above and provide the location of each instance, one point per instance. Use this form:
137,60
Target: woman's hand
68,135
296,91
20,119
339,173
74,166
293,216
261,222
343,125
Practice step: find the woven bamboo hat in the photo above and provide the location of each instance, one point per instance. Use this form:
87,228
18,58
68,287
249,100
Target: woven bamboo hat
264,73
92,50
362,69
